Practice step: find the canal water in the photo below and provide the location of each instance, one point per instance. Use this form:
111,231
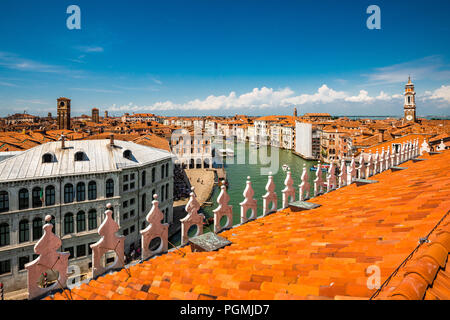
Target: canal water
238,169
253,165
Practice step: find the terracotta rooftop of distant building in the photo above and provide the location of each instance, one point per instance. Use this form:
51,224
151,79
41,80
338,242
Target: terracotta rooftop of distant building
322,253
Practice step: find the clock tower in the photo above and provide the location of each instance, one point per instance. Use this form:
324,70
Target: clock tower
410,102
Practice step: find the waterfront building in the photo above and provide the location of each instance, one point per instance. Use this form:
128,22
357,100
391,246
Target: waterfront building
140,117
73,181
192,149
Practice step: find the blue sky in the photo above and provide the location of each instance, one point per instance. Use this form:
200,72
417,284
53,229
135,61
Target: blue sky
201,57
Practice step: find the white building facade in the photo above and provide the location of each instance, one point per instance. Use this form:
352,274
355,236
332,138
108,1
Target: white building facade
73,181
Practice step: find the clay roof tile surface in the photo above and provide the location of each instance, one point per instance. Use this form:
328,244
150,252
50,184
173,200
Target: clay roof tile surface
323,253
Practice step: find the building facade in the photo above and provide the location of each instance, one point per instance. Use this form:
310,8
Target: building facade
73,181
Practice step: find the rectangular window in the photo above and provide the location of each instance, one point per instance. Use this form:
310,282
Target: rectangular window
132,186
70,250
23,261
125,204
125,178
132,176
5,266
125,187
131,229
81,250
132,201
125,232
132,213
125,216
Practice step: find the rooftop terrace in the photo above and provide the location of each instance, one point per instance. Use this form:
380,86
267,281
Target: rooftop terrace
323,253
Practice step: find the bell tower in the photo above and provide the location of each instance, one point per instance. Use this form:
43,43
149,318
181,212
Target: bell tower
63,109
410,102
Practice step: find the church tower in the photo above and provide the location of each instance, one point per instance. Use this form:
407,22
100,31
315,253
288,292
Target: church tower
410,102
63,109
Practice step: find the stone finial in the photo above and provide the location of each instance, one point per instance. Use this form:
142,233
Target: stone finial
331,177
318,181
351,171
224,209
424,147
270,196
441,146
248,203
192,218
411,149
417,148
154,230
49,261
376,165
304,187
369,168
343,174
288,192
361,170
109,241
386,159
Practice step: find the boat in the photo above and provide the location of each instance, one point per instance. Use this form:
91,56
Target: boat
324,168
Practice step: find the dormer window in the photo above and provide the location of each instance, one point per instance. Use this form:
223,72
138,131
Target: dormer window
80,156
47,158
127,154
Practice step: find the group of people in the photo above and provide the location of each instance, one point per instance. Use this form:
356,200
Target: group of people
181,188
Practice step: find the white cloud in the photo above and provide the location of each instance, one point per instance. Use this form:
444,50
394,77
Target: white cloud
442,94
90,49
261,98
431,67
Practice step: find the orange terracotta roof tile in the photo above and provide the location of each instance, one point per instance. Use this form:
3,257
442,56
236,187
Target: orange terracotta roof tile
322,253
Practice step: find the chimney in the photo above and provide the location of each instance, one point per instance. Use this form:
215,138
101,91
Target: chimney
111,139
380,137
63,139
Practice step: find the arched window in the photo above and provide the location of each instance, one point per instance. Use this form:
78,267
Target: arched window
144,176
153,174
24,201
162,193
47,158
68,193
81,191
92,190
162,171
50,195
4,201
92,219
37,228
4,234
79,156
24,231
68,223
109,188
167,170
127,154
81,221
144,202
37,197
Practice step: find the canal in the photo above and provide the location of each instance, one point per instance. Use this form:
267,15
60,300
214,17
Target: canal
251,165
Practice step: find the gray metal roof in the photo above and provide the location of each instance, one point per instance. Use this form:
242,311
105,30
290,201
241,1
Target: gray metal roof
101,157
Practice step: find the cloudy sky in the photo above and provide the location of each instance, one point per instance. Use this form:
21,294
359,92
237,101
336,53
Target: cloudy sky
211,57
